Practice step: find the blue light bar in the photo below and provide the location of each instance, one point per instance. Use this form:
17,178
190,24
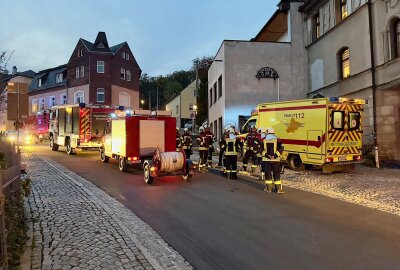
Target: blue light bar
333,99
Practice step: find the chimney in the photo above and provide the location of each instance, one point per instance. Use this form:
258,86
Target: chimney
14,70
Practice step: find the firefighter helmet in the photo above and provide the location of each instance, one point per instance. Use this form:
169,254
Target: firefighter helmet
270,130
260,130
201,129
185,130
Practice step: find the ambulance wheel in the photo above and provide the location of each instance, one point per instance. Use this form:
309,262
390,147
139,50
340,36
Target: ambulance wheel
122,164
53,145
296,164
70,150
147,174
103,156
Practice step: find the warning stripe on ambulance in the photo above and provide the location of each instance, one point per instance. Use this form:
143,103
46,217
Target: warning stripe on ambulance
85,123
344,135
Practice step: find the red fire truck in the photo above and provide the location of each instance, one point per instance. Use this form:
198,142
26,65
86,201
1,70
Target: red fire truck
148,139
38,125
78,126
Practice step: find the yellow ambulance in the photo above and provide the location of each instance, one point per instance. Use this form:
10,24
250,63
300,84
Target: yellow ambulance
324,132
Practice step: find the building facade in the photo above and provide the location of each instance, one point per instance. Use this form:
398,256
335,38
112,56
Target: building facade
6,102
95,74
268,68
353,51
183,105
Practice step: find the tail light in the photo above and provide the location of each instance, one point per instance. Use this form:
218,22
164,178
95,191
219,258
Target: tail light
153,169
133,158
329,159
356,158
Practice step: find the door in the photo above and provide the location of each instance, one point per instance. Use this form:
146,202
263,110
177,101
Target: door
314,144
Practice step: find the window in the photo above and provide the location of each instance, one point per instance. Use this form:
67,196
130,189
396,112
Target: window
220,86
317,27
82,71
100,95
77,72
220,128
128,75
127,56
40,82
395,37
59,78
52,101
79,97
344,63
80,52
248,126
122,74
344,10
177,109
215,92
41,104
354,120
211,97
34,105
63,99
338,120
123,55
100,66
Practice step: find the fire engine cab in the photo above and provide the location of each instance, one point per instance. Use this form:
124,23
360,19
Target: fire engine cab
146,139
77,126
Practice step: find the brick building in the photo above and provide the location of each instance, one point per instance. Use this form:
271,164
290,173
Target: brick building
95,74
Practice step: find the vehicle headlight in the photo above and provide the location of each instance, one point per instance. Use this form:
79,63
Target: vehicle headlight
11,138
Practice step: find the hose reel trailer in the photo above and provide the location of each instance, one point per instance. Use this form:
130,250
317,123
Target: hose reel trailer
167,164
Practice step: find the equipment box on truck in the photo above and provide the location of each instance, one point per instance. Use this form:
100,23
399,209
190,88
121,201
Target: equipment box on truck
145,138
77,126
324,132
132,139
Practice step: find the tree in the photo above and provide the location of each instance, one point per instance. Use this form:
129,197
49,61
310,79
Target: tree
201,66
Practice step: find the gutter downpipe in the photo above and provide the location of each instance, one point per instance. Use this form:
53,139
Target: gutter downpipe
371,42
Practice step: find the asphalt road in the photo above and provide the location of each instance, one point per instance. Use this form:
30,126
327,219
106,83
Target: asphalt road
219,224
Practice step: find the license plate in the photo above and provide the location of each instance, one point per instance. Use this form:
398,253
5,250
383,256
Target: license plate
342,158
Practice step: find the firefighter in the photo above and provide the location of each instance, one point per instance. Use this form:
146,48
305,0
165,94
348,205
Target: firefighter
257,150
210,141
187,142
232,144
178,140
222,148
203,148
260,137
248,148
271,162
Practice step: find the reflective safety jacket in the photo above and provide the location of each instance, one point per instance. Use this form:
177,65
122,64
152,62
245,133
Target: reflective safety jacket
178,142
232,144
187,141
249,141
202,141
210,139
257,146
272,149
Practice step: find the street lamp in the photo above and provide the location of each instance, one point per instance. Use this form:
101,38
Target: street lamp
142,102
195,113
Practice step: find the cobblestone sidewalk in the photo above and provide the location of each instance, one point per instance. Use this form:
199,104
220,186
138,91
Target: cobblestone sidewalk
78,226
370,187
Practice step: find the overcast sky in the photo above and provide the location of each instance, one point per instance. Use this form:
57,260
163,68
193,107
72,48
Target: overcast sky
164,35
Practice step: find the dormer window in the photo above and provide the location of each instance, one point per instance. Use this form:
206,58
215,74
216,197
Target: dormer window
40,82
59,78
100,46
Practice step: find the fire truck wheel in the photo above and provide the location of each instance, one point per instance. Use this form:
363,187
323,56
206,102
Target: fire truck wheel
296,164
70,150
103,156
122,164
53,145
147,174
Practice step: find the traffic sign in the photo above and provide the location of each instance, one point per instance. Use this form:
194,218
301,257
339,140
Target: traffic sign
192,115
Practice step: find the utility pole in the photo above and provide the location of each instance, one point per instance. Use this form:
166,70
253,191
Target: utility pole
18,117
157,98
149,100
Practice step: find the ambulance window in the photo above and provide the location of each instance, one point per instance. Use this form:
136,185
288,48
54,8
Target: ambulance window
354,120
338,120
249,125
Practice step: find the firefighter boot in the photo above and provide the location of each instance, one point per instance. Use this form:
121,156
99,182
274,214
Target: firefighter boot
234,175
279,187
268,186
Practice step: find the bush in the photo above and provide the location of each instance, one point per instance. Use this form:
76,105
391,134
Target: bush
15,223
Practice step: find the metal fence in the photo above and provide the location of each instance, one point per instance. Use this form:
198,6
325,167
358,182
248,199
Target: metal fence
10,171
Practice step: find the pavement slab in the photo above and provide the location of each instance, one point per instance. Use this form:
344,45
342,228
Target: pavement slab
78,226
